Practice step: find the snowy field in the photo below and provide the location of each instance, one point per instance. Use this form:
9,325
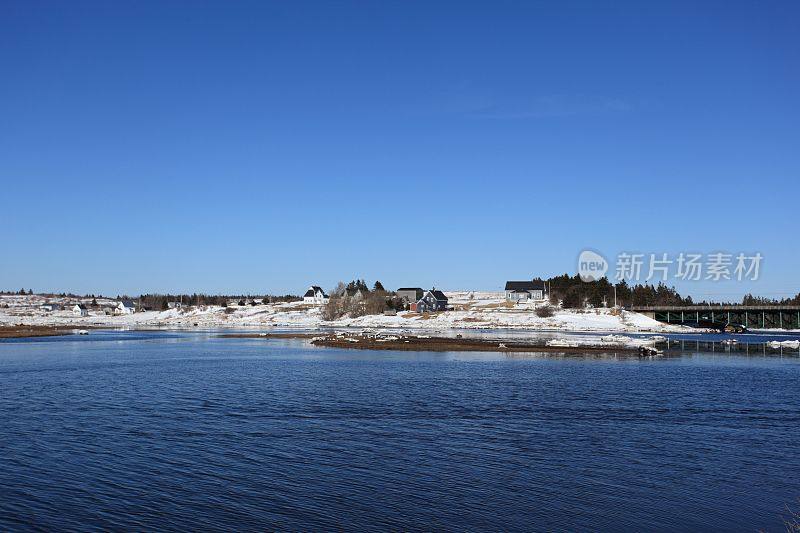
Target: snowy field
473,310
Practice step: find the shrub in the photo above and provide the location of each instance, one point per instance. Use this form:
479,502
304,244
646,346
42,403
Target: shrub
544,311
333,309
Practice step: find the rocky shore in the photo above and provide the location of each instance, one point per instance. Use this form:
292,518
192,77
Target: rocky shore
398,342
16,332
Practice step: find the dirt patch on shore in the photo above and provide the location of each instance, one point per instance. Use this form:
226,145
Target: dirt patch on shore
20,332
446,344
423,343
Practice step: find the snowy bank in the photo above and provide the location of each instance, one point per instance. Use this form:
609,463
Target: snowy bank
472,310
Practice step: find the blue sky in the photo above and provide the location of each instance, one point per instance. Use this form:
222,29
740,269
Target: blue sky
259,147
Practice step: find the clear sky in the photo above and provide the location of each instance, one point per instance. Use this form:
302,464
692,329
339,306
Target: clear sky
259,147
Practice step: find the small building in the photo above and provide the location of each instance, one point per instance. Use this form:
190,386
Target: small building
50,307
315,295
355,293
80,310
174,305
523,291
432,300
410,294
125,307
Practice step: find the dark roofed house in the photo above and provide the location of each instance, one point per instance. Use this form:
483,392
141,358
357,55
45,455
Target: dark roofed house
80,310
522,291
432,300
410,294
315,295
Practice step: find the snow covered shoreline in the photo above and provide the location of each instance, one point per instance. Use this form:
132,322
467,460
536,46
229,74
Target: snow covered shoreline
472,310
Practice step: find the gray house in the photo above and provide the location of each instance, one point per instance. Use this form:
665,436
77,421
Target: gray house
410,294
356,294
432,300
523,291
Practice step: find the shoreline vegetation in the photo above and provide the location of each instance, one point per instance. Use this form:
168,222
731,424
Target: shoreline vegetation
424,343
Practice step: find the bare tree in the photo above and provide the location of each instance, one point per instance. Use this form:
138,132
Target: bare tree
339,289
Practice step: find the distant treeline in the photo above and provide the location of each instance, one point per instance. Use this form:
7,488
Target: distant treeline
759,300
161,301
29,292
575,293
570,290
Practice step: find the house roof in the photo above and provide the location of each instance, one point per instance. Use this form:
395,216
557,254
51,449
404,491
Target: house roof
312,291
409,289
80,306
524,285
439,295
127,303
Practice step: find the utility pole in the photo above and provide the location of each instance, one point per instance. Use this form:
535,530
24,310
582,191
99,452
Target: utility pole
615,295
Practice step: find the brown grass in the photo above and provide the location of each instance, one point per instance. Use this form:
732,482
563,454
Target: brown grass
16,332
446,344
507,305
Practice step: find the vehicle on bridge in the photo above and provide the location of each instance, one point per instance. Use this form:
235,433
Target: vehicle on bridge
735,328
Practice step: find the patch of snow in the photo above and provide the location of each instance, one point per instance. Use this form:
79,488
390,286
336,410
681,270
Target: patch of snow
472,310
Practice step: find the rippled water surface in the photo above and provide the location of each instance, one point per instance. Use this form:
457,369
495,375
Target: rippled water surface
150,431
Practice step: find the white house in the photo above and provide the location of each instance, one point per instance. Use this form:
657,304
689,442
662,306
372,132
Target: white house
315,295
50,307
125,307
523,291
80,310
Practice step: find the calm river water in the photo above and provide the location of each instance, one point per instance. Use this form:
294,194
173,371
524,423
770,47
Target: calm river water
153,431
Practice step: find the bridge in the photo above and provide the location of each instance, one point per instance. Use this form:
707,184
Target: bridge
750,316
